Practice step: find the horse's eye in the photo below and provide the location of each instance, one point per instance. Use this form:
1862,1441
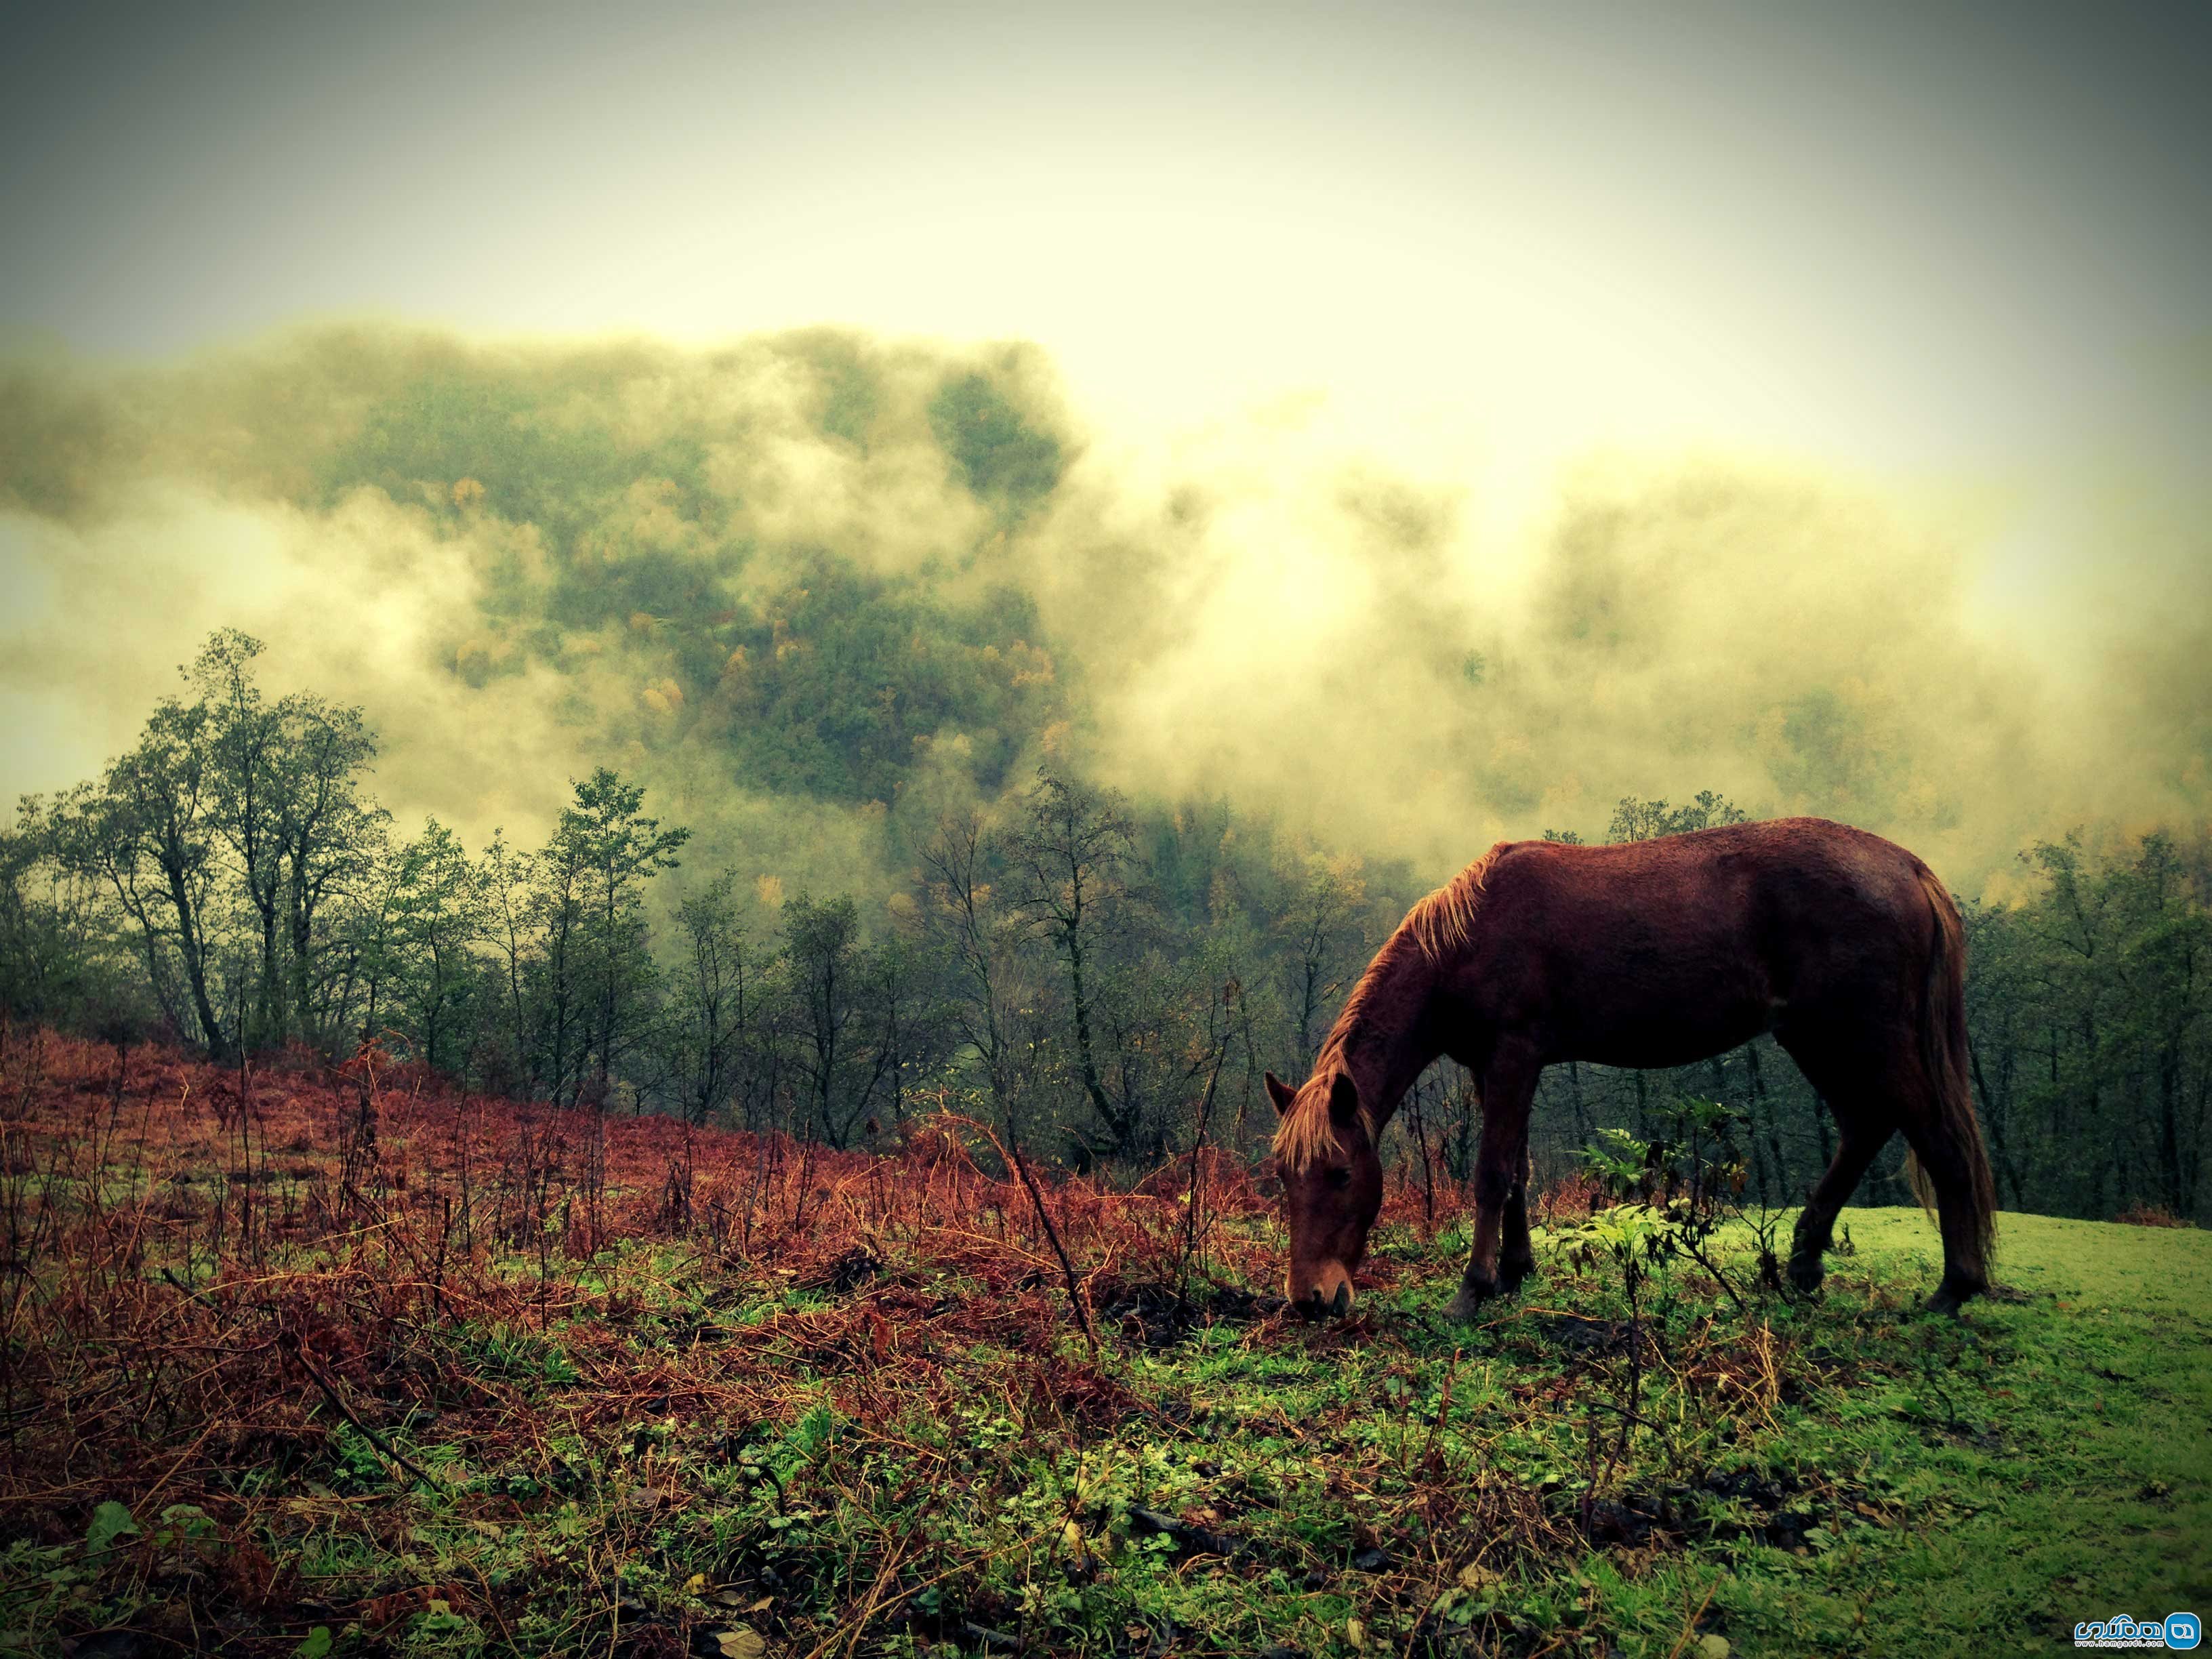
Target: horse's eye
1340,1179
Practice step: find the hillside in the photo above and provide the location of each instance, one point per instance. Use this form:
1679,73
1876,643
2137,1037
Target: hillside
332,1360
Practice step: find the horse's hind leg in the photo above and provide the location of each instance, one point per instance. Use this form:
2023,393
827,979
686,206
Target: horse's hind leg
1816,1224
1871,1100
1965,1272
1865,1111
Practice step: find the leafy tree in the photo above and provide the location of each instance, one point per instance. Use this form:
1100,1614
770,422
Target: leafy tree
827,989
560,974
1002,459
438,913
58,963
2089,1010
244,737
715,1009
912,1029
604,852
329,832
1647,820
147,830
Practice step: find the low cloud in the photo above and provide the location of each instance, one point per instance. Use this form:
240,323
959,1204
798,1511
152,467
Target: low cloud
815,586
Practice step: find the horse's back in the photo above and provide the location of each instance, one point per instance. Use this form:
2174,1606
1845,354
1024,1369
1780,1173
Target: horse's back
1698,941
1776,861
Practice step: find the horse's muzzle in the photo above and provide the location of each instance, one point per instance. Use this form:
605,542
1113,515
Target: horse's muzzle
1315,1308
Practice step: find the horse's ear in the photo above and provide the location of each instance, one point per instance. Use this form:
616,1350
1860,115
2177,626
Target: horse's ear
1343,1100
1281,1093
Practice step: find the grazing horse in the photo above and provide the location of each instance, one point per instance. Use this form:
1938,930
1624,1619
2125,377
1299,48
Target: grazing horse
1652,954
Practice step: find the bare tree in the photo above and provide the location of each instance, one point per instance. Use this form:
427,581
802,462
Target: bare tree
717,989
506,879
982,938
1325,942
1069,853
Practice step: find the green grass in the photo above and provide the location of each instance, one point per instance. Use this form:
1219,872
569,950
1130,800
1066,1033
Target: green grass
1851,1475
2054,1452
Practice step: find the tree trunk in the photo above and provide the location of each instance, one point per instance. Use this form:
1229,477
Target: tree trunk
193,949
1092,1085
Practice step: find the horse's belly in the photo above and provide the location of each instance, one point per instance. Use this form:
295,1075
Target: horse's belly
1652,1037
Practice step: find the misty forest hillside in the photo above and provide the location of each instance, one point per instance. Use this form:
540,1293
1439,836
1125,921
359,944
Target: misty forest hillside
791,732
800,564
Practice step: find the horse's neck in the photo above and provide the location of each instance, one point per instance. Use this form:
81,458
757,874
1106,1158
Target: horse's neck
1383,1039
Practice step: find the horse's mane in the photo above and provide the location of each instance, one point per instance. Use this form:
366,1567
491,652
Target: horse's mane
1440,923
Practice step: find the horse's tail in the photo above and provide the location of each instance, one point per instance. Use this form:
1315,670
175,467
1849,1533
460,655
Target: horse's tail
1943,1056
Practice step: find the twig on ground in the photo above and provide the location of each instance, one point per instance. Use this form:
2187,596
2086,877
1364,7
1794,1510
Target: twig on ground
290,1344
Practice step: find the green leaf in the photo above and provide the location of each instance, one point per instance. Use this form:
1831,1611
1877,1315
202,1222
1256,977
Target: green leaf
110,1520
316,1643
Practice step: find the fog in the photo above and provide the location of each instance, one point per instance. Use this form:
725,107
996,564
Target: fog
812,586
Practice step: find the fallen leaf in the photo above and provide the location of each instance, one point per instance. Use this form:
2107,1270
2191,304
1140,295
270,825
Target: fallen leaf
1713,1647
743,1643
1355,1632
1474,1576
1074,1548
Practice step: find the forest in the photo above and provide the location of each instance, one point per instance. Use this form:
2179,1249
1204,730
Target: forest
1105,978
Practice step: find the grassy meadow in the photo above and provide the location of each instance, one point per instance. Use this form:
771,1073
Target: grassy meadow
314,1360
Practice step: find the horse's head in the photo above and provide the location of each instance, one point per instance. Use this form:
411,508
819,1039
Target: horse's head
1332,1186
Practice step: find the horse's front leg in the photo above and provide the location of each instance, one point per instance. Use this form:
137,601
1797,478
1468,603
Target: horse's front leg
1517,1258
1509,1086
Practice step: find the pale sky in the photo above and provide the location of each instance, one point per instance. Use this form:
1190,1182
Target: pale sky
1902,236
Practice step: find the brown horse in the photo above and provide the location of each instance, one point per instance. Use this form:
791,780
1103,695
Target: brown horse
1656,953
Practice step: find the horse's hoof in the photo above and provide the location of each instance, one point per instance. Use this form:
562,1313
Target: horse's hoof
1806,1274
1512,1275
1950,1298
1466,1306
